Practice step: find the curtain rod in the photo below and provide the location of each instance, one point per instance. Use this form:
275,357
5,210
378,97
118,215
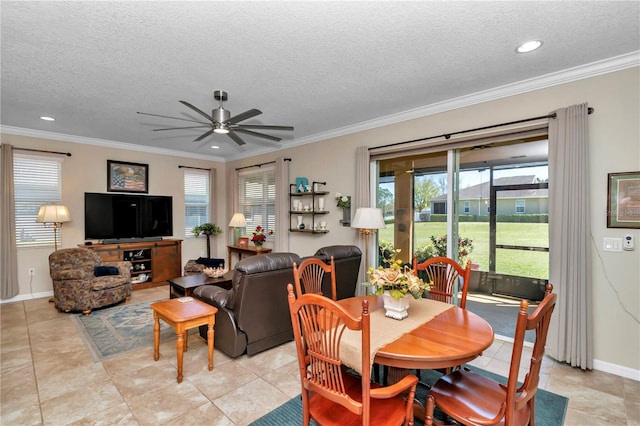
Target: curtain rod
68,154
260,165
448,135
189,167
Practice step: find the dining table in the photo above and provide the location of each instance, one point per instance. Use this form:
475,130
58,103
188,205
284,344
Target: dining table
452,337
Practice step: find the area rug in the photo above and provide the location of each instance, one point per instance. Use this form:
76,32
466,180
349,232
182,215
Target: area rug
114,331
550,407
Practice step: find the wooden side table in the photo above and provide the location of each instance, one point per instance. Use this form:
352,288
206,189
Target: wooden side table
250,251
183,314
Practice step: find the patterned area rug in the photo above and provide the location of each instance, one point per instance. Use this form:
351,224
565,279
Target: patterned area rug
550,410
113,331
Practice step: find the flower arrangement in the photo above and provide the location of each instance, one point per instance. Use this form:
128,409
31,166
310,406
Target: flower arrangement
258,238
209,230
397,279
465,247
343,200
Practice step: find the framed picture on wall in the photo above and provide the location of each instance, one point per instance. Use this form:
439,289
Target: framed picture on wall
127,177
623,200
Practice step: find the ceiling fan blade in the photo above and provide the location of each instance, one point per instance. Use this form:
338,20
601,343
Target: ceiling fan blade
244,116
260,135
236,138
173,118
204,135
188,127
199,111
262,126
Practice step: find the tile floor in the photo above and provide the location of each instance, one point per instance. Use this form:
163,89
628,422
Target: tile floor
48,378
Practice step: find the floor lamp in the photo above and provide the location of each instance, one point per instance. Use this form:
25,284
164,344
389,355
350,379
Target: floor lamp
54,216
237,221
368,221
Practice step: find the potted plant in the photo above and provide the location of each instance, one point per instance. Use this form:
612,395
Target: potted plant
208,229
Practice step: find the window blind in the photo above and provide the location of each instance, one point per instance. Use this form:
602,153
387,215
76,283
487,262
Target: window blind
257,198
37,181
196,199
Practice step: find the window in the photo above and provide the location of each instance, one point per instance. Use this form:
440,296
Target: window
196,199
467,207
37,181
257,198
519,206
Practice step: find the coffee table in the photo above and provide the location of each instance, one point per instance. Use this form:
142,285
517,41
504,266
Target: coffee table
184,286
183,314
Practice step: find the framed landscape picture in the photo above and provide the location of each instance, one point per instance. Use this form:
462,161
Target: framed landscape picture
623,200
127,177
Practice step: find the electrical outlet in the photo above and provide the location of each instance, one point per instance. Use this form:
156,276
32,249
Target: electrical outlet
32,272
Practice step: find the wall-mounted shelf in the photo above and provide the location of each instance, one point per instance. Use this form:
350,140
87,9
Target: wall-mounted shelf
307,205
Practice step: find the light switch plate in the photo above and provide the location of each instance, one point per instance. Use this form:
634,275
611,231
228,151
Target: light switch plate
612,244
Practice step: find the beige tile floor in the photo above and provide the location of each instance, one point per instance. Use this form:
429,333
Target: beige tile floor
47,377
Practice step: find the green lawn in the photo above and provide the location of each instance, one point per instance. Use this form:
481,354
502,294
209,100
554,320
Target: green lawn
513,262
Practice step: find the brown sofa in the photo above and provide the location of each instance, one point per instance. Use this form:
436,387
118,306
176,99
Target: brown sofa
253,315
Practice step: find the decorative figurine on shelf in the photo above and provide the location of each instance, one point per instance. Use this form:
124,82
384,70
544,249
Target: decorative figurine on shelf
301,188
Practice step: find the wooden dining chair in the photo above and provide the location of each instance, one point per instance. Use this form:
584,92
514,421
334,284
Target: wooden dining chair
443,273
310,275
331,395
473,399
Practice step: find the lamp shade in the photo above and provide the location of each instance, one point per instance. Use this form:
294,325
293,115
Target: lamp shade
53,213
238,221
368,218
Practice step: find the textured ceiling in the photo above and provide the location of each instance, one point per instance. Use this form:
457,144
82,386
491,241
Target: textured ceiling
322,67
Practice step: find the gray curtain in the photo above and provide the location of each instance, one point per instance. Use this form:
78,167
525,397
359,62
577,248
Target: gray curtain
8,253
232,206
362,198
282,205
570,336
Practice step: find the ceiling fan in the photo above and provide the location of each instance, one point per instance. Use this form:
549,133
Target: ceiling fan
220,121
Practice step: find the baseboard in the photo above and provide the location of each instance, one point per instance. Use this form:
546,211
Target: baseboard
618,370
603,366
29,296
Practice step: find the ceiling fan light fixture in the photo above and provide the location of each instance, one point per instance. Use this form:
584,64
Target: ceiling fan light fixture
221,129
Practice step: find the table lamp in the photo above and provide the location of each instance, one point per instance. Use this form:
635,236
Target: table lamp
368,220
237,221
54,216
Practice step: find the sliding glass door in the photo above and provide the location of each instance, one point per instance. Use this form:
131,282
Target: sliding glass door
485,203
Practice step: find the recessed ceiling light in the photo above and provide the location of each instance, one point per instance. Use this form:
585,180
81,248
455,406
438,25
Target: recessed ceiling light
215,147
48,118
528,46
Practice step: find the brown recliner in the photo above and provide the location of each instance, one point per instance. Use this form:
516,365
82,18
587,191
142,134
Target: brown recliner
347,267
82,281
254,314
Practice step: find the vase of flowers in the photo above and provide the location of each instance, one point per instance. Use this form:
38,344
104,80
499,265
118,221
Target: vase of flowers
259,237
396,283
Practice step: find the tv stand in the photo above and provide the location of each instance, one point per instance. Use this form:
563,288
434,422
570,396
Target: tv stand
160,259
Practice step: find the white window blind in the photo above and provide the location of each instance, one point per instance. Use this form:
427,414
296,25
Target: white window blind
257,198
37,181
196,199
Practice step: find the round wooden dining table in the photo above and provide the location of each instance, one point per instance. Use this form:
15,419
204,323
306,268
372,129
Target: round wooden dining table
452,338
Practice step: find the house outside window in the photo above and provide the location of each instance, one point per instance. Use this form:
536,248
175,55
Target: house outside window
37,181
257,198
520,208
196,199
467,207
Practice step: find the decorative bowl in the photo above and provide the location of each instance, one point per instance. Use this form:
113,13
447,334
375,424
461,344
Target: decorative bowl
215,272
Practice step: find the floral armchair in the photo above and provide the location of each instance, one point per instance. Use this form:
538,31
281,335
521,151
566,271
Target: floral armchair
82,282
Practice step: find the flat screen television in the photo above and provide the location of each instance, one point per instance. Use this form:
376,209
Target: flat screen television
125,216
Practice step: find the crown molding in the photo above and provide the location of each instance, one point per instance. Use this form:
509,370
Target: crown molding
593,69
104,143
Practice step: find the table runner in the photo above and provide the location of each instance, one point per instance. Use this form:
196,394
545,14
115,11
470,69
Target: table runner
386,330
